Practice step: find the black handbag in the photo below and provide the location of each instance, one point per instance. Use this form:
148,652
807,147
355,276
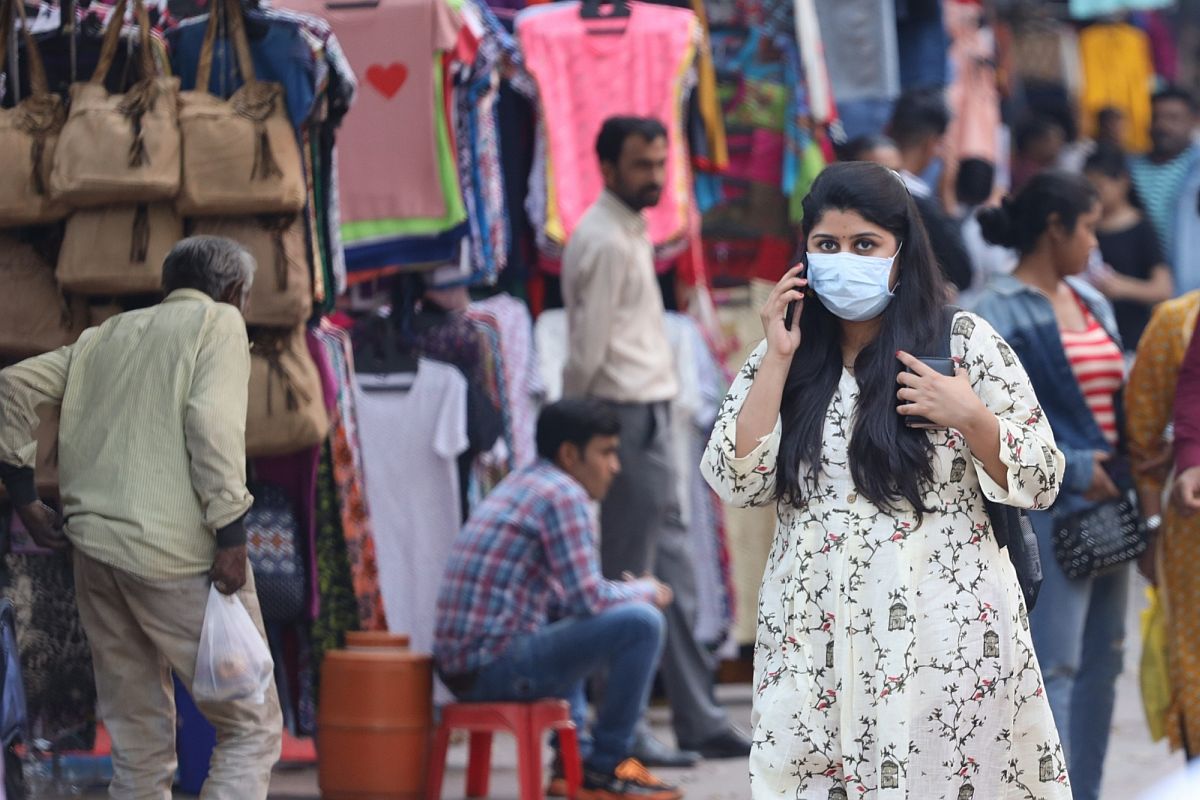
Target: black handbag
1102,538
1011,526
272,534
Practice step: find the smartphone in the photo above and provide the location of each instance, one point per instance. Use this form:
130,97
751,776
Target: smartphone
942,366
789,315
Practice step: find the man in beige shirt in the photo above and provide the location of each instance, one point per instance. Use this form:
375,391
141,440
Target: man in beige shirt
619,352
152,472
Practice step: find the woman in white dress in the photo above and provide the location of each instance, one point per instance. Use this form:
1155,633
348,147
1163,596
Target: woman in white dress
893,657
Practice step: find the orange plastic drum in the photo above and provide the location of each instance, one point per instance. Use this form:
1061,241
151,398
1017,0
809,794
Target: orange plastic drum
375,722
356,640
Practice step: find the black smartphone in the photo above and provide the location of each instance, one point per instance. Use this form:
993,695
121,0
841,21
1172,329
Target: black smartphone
942,366
789,315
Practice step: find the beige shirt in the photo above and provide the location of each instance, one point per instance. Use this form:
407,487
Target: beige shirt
618,348
152,439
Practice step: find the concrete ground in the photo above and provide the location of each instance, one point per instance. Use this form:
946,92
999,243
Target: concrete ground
1134,762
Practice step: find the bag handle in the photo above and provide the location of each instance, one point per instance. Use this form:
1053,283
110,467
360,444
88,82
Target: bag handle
237,36
37,69
112,38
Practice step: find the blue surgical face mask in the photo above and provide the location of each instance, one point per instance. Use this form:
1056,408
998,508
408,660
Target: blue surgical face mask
852,287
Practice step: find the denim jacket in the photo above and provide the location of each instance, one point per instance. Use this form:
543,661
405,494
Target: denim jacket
1025,318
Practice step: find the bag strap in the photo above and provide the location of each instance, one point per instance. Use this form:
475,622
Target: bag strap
232,10
112,38
37,69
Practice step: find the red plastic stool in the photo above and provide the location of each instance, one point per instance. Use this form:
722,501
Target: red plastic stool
528,722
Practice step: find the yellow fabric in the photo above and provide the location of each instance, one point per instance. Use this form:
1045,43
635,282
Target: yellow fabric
1155,674
710,104
1149,402
151,446
1117,71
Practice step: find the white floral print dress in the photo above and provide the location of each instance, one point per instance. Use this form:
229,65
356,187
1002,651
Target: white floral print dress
895,661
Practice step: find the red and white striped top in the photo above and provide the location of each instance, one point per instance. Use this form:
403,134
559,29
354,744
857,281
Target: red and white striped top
1099,367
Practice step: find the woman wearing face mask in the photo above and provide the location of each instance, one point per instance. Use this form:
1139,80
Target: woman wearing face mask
893,654
1065,334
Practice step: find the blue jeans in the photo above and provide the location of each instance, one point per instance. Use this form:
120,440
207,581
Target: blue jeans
625,641
1078,631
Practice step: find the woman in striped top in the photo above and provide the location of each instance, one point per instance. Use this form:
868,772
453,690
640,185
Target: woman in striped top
1064,332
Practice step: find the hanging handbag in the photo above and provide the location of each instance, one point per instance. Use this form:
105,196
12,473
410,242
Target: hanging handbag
286,411
118,249
120,148
28,135
271,540
35,316
281,295
1103,537
240,155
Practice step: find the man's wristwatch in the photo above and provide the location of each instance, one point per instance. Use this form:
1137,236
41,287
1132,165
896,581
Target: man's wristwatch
1152,524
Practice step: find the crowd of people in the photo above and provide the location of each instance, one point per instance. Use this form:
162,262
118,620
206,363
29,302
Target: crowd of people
949,359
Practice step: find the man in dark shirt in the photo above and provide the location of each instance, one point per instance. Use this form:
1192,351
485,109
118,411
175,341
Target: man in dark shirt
918,127
525,613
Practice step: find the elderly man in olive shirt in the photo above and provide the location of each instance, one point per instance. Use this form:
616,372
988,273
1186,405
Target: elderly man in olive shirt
152,471
619,353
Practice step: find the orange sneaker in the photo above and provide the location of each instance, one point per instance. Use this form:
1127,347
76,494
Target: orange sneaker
630,781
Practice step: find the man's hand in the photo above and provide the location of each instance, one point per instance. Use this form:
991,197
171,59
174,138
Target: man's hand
229,569
663,595
44,526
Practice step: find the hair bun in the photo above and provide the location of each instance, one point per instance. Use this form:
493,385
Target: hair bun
997,226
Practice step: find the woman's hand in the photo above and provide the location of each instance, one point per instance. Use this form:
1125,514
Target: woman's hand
781,342
946,402
1102,487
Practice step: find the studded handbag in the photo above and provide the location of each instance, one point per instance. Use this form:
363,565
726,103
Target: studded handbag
1101,538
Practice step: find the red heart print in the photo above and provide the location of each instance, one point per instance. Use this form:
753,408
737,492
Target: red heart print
387,80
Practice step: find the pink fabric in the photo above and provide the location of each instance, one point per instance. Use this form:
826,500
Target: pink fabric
387,146
584,78
973,97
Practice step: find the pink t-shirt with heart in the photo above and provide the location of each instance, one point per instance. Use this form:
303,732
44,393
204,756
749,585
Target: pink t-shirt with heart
387,146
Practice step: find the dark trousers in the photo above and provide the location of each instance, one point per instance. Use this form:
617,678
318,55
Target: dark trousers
641,531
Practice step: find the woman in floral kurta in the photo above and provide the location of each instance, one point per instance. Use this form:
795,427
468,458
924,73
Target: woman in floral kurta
893,655
1149,404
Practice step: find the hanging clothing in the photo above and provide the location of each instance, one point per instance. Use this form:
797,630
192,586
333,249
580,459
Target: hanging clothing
395,49
411,440
865,614
1117,72
584,78
973,95
1090,9
862,51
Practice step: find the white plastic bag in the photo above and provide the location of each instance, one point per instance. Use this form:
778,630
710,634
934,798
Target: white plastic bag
234,662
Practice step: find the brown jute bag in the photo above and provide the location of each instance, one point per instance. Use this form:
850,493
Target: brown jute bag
281,295
120,149
45,467
28,135
118,249
239,155
35,316
286,410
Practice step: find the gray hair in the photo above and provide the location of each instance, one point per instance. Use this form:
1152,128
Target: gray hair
210,264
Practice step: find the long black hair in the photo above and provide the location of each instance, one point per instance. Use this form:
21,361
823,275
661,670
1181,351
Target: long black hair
890,463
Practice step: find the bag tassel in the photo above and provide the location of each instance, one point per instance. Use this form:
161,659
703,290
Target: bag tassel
281,263
265,165
139,245
137,149
37,151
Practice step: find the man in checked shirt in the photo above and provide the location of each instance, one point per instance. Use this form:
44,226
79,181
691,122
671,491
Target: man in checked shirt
525,613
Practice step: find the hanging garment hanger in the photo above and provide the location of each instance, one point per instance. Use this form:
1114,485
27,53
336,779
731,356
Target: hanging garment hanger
599,10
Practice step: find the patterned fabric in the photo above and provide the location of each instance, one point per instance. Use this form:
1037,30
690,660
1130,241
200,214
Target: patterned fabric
518,358
271,533
893,657
1149,407
530,547
349,476
56,663
339,607
1158,185
1099,366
